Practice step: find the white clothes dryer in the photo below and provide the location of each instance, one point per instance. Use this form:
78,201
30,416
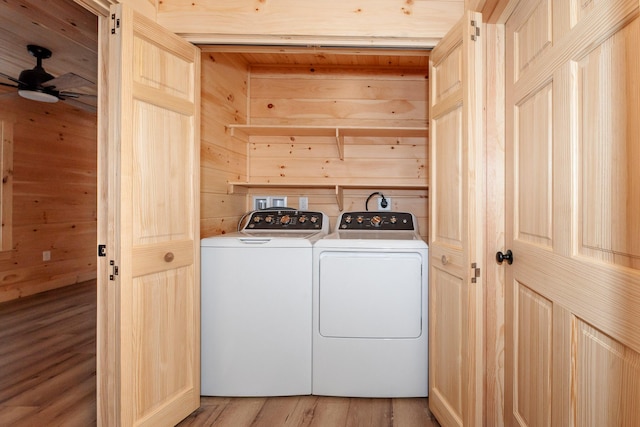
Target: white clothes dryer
256,305
370,318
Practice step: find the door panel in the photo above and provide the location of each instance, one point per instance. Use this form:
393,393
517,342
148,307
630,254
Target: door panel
455,296
149,324
606,379
447,185
533,144
532,352
446,385
573,203
610,223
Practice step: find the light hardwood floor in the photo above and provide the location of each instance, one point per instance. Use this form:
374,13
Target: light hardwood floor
48,366
311,411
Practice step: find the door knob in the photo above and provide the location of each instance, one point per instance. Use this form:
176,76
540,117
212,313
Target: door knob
505,257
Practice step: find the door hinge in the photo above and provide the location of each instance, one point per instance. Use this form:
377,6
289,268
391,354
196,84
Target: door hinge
476,30
475,273
115,23
114,273
102,250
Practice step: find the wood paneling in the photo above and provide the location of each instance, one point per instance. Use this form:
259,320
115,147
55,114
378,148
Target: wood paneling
311,87
338,96
6,187
364,57
333,22
54,197
347,96
223,157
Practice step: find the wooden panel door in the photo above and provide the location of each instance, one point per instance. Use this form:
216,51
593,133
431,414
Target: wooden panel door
149,314
572,355
455,235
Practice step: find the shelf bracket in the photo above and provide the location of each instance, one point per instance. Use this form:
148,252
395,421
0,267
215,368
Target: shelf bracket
340,142
340,197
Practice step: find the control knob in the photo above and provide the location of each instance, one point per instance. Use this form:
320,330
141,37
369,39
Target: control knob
285,219
359,219
376,220
302,219
348,219
269,219
314,219
393,220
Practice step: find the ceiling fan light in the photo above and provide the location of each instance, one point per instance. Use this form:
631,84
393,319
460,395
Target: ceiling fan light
37,96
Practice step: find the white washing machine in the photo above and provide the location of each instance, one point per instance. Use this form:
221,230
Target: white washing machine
370,321
256,305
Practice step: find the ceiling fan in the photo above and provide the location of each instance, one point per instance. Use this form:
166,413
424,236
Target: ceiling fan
38,85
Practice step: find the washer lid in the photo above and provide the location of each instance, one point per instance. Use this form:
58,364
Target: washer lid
261,240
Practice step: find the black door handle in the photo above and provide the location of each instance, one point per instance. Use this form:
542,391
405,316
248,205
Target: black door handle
505,257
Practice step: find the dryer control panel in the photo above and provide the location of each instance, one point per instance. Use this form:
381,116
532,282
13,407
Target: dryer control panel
376,220
285,220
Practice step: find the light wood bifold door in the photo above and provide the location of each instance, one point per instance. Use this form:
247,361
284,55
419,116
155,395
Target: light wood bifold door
572,355
149,307
455,232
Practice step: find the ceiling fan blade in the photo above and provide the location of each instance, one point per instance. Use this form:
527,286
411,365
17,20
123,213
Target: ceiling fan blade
7,84
66,94
68,81
83,106
13,79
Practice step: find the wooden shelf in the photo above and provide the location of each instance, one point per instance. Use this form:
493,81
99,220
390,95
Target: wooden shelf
339,188
339,132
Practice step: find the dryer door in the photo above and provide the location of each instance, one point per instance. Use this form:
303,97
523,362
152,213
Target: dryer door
371,294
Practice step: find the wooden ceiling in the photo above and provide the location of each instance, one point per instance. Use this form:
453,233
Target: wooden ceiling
64,27
327,56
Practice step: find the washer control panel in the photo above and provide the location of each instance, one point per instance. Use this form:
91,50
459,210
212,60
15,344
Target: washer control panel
379,220
284,220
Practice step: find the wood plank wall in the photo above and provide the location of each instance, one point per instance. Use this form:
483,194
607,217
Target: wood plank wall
223,158
341,96
54,197
235,92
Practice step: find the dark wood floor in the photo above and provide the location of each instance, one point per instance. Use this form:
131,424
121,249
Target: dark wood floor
48,358
48,367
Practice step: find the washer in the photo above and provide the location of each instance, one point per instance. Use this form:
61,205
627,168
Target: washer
256,305
370,321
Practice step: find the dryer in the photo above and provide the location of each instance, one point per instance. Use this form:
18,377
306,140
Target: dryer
256,309
370,317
